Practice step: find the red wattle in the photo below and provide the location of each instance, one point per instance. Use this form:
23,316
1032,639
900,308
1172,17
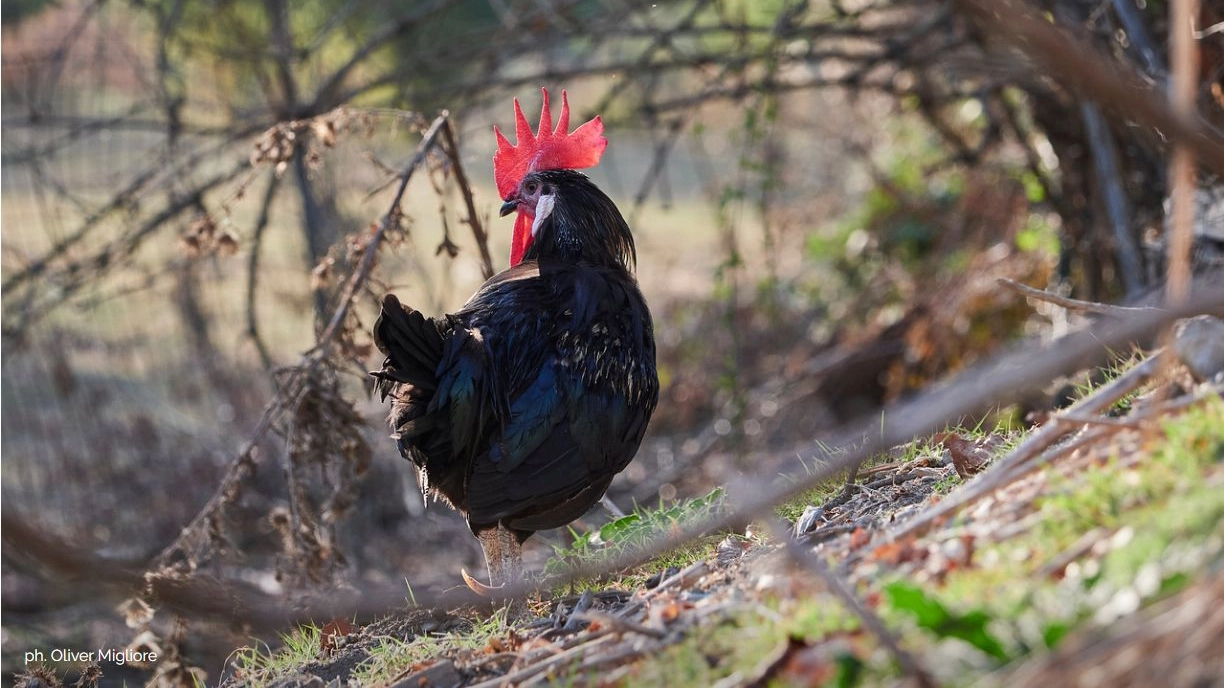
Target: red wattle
521,239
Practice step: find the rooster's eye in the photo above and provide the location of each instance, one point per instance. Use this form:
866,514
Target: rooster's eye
531,187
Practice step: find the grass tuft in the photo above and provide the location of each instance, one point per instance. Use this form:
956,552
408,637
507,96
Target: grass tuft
634,531
260,667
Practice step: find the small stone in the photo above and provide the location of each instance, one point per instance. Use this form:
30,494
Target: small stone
807,521
1199,343
730,549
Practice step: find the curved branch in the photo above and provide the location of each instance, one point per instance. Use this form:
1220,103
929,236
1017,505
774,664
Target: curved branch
478,231
253,271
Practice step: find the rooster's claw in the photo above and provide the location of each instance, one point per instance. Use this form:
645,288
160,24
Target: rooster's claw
480,588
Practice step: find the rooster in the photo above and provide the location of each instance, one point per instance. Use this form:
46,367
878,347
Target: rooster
520,408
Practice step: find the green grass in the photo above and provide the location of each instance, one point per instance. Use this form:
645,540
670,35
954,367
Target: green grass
712,652
738,642
260,667
636,530
1157,517
391,656
1154,507
793,509
1158,514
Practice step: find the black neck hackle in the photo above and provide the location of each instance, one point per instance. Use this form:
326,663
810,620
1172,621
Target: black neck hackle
585,226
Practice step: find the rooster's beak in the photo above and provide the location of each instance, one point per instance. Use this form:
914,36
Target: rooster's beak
507,208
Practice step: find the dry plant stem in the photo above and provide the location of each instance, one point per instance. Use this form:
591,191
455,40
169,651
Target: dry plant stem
1181,171
465,187
1071,304
261,225
1078,549
239,471
682,578
806,558
289,393
1136,418
1012,466
1079,439
1117,423
428,141
1113,192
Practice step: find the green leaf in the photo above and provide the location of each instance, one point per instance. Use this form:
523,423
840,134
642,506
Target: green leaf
1053,633
618,528
1173,583
928,612
933,616
849,671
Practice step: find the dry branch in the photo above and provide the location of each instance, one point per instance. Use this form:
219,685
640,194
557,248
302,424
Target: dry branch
1182,99
261,225
1072,304
465,187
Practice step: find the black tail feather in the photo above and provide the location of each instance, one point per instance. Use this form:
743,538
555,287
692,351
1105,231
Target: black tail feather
412,344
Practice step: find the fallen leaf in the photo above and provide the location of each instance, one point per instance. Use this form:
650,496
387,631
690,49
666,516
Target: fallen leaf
333,632
859,538
968,456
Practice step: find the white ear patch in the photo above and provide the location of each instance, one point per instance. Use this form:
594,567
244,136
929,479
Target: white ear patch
543,209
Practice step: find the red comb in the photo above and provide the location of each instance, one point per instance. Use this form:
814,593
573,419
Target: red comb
549,149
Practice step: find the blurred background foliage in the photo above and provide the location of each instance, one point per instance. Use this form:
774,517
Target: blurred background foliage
823,193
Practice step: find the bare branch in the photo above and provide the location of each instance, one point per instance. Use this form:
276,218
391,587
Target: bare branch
428,141
1072,304
1109,177
257,237
1182,97
465,187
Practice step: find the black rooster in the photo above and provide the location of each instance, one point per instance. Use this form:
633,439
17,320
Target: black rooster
520,408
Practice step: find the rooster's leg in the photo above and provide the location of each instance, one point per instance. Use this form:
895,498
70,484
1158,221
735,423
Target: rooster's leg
503,554
503,550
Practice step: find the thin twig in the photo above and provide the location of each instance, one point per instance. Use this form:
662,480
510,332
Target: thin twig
1113,194
619,624
465,187
137,188
261,224
551,663
1073,304
1182,98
